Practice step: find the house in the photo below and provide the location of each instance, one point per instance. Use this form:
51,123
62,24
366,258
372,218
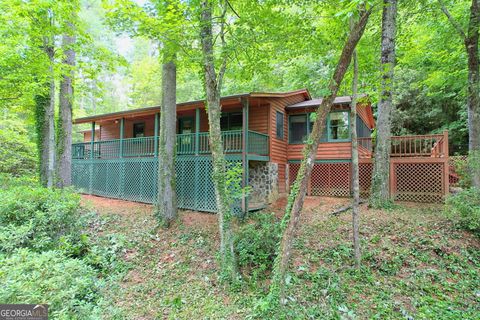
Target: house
264,133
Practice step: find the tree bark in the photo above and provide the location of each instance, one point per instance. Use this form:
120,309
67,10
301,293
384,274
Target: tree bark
355,169
380,193
298,191
46,110
471,45
470,40
64,149
213,84
166,210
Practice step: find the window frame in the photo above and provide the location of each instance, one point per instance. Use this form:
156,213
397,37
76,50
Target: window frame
282,130
328,131
134,133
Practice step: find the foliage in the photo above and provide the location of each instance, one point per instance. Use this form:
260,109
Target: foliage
37,217
256,243
69,286
463,209
17,151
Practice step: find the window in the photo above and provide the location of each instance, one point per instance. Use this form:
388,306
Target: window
338,128
279,126
298,128
231,121
185,125
139,130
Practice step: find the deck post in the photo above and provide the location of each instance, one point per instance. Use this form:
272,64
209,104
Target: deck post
245,107
92,140
122,129
446,165
197,131
155,140
92,147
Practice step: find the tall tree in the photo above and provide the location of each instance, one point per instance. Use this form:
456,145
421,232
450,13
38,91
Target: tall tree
213,85
161,21
47,172
64,142
166,210
470,41
355,168
299,189
380,193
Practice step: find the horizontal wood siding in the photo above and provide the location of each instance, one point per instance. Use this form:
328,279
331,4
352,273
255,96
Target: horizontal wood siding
278,147
325,151
258,118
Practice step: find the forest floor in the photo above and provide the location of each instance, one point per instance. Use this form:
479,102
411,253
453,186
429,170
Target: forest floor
415,265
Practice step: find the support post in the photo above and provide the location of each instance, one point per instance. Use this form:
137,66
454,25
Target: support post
155,140
197,131
245,108
446,165
92,140
92,146
122,129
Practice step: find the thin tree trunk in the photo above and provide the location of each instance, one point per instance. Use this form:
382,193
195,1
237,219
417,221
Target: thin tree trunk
471,45
355,169
380,193
213,90
166,210
297,195
64,150
470,40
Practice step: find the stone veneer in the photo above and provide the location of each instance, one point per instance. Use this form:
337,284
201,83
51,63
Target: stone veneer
263,181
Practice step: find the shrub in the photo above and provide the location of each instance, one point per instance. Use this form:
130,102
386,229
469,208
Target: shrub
256,243
37,217
463,209
18,155
68,285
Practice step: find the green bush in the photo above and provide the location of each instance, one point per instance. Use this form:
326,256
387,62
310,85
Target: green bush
463,209
18,153
37,218
256,243
69,286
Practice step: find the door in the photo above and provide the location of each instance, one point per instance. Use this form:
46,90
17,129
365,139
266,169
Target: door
185,140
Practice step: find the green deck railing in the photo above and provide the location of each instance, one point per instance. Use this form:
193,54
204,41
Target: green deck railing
258,144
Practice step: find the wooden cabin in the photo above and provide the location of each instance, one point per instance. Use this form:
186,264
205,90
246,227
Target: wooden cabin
264,133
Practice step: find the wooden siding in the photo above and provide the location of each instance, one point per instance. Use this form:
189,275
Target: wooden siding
278,147
325,151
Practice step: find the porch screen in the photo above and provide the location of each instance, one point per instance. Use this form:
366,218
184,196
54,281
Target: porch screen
338,126
298,128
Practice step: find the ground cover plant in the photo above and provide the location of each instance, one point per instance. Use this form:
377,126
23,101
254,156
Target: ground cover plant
416,264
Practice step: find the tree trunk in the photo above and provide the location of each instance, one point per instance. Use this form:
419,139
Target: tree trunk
45,111
470,40
64,149
380,193
298,191
355,169
166,210
213,91
471,45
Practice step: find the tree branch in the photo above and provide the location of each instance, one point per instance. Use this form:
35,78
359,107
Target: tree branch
223,66
452,20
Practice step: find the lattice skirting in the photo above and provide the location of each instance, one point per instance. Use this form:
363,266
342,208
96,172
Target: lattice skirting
135,179
419,182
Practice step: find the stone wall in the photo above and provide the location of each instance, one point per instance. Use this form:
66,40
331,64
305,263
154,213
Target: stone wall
263,181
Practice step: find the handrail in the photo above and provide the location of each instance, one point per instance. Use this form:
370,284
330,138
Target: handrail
258,143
